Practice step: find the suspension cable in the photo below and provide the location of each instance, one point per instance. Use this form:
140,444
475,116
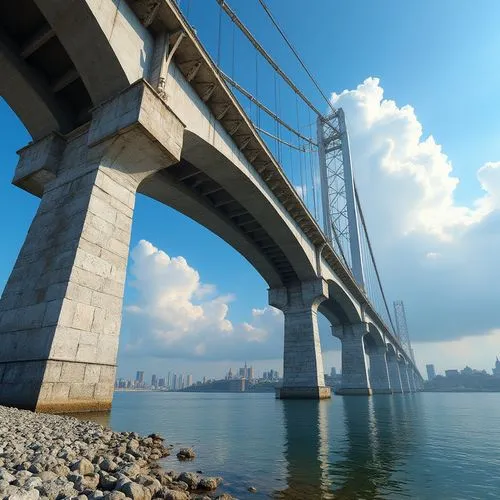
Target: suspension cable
278,139
264,108
267,57
296,54
362,217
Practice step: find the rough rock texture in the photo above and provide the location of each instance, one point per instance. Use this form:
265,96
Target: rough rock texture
55,457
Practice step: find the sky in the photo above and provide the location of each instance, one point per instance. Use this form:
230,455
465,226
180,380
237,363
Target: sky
419,85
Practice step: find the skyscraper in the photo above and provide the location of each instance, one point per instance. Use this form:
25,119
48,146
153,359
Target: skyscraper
139,378
496,370
431,372
333,372
250,374
189,380
154,381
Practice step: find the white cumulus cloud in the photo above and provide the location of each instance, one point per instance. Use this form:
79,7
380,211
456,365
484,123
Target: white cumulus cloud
175,314
438,255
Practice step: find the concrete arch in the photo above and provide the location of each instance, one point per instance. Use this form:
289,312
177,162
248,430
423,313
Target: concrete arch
183,200
391,351
248,190
339,309
375,335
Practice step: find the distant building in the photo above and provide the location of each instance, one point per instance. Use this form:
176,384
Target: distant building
333,372
154,381
496,370
451,373
189,380
161,382
251,373
225,385
431,372
139,379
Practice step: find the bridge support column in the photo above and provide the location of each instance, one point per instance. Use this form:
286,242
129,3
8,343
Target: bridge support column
354,367
411,378
60,312
394,375
303,375
405,380
379,375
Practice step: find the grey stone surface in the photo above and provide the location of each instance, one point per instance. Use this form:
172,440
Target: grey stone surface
302,360
60,312
354,366
403,371
379,375
394,376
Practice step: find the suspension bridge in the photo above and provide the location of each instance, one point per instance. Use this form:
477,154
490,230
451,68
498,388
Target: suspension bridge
123,98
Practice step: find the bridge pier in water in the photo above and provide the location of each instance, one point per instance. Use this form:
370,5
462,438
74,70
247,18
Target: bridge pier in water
355,378
60,312
405,379
394,375
303,374
379,375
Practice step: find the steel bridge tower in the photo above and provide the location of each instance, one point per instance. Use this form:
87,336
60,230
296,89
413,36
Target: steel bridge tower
402,328
340,210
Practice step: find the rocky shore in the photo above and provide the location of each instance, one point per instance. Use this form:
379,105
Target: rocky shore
57,457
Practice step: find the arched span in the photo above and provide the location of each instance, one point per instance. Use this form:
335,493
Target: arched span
375,335
339,308
232,202
391,351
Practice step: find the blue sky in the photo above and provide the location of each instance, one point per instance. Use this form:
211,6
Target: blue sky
441,58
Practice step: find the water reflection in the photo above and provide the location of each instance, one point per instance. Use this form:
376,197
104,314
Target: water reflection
306,449
99,417
359,456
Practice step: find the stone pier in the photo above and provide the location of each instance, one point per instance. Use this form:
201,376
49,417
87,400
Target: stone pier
303,374
379,375
60,312
403,371
354,367
411,378
394,375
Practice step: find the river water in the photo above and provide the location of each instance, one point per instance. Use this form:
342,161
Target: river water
420,446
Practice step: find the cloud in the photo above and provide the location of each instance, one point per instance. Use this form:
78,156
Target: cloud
175,314
438,255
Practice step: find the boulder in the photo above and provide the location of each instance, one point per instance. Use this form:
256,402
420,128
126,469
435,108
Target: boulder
135,491
208,483
169,494
191,479
186,454
83,467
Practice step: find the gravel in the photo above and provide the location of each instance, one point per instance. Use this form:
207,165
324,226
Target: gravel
57,457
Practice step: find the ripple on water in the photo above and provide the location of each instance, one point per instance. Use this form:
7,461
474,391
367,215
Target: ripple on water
423,446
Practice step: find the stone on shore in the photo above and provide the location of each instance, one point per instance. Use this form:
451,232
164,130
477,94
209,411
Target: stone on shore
62,458
186,454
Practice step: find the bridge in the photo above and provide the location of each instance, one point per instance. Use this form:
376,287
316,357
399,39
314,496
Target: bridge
120,98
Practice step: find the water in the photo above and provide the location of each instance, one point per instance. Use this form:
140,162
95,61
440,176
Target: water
421,446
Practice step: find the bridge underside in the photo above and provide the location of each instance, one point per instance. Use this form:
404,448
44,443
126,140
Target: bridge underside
203,199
